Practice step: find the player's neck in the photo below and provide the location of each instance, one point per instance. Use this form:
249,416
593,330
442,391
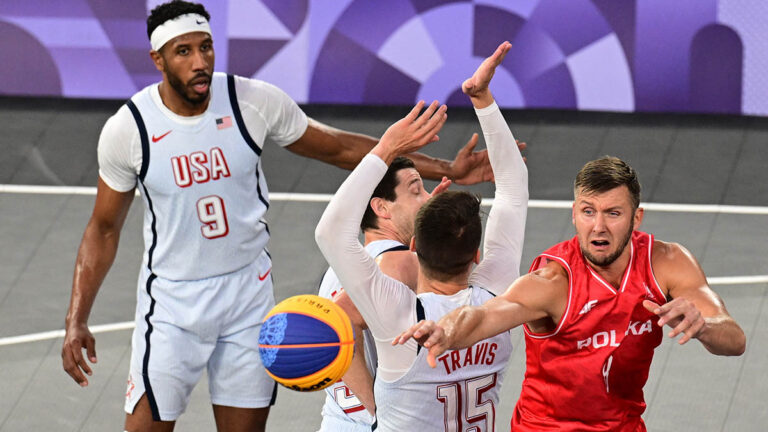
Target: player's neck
450,287
614,272
177,104
384,233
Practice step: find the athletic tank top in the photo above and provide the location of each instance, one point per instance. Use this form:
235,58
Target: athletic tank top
589,373
340,402
203,188
460,394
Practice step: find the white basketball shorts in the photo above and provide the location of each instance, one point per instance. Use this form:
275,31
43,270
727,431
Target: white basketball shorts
184,327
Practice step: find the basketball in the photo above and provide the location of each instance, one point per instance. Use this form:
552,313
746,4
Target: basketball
306,342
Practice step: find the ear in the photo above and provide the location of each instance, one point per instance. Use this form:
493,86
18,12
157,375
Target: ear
380,207
158,60
477,257
412,246
573,213
639,213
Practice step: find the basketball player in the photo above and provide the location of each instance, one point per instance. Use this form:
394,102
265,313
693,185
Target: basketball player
387,227
464,390
593,309
193,143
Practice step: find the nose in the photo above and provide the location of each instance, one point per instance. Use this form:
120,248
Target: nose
599,223
199,61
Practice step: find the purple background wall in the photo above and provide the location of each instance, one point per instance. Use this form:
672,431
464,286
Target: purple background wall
609,55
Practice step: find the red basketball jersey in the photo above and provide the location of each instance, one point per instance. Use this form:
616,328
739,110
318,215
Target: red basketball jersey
588,374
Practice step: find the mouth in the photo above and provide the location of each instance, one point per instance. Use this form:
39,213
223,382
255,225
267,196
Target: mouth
200,84
600,244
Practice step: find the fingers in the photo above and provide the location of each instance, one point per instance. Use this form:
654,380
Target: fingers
501,52
445,183
521,145
471,144
90,349
651,307
69,356
415,111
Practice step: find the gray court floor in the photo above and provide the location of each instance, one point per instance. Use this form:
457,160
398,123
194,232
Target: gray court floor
687,160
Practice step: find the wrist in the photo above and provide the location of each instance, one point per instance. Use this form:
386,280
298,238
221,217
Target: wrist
384,153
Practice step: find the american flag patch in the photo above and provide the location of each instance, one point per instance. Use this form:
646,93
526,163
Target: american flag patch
223,123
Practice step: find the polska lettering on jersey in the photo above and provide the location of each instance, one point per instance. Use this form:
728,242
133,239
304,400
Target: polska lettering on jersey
199,167
483,353
608,338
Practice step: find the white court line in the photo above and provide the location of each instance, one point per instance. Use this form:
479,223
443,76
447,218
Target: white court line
306,197
53,334
128,325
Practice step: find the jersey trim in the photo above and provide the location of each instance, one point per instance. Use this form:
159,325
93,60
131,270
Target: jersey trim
239,116
244,133
144,139
420,315
650,265
567,307
145,365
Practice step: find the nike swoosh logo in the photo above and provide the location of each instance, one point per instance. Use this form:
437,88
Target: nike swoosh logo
200,22
261,278
156,139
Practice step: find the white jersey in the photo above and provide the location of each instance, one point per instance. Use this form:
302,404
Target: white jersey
389,307
460,394
200,177
341,404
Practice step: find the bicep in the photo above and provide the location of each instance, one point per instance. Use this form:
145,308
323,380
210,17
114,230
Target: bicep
683,277
110,208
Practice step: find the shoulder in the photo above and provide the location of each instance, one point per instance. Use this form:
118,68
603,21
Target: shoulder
400,265
119,130
255,91
552,273
673,264
669,253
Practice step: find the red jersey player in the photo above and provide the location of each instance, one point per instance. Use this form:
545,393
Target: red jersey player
593,308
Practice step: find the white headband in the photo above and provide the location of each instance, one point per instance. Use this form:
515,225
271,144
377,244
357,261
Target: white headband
176,27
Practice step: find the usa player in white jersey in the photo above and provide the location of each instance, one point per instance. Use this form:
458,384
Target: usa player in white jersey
192,143
387,227
461,393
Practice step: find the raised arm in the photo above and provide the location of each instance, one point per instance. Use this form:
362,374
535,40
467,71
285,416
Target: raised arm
346,149
94,258
505,228
337,231
695,309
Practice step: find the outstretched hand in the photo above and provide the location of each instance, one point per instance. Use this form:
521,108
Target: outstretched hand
471,167
429,335
412,132
477,85
680,314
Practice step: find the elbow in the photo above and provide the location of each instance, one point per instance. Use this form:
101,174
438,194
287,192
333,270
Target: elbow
740,346
323,235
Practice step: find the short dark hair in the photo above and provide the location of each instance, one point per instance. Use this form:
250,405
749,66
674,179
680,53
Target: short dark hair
606,173
171,10
385,189
447,234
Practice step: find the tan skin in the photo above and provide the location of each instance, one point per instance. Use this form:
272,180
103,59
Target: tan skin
539,299
188,60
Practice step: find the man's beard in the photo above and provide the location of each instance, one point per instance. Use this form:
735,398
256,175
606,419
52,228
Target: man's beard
605,262
182,89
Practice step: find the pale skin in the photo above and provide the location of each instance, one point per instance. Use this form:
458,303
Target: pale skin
602,221
188,61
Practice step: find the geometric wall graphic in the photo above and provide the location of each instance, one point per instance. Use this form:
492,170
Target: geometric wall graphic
604,55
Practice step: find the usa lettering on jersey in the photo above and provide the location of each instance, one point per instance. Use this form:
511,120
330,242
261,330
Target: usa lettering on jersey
199,167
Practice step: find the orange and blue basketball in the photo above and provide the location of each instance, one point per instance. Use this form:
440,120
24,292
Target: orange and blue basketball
306,342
